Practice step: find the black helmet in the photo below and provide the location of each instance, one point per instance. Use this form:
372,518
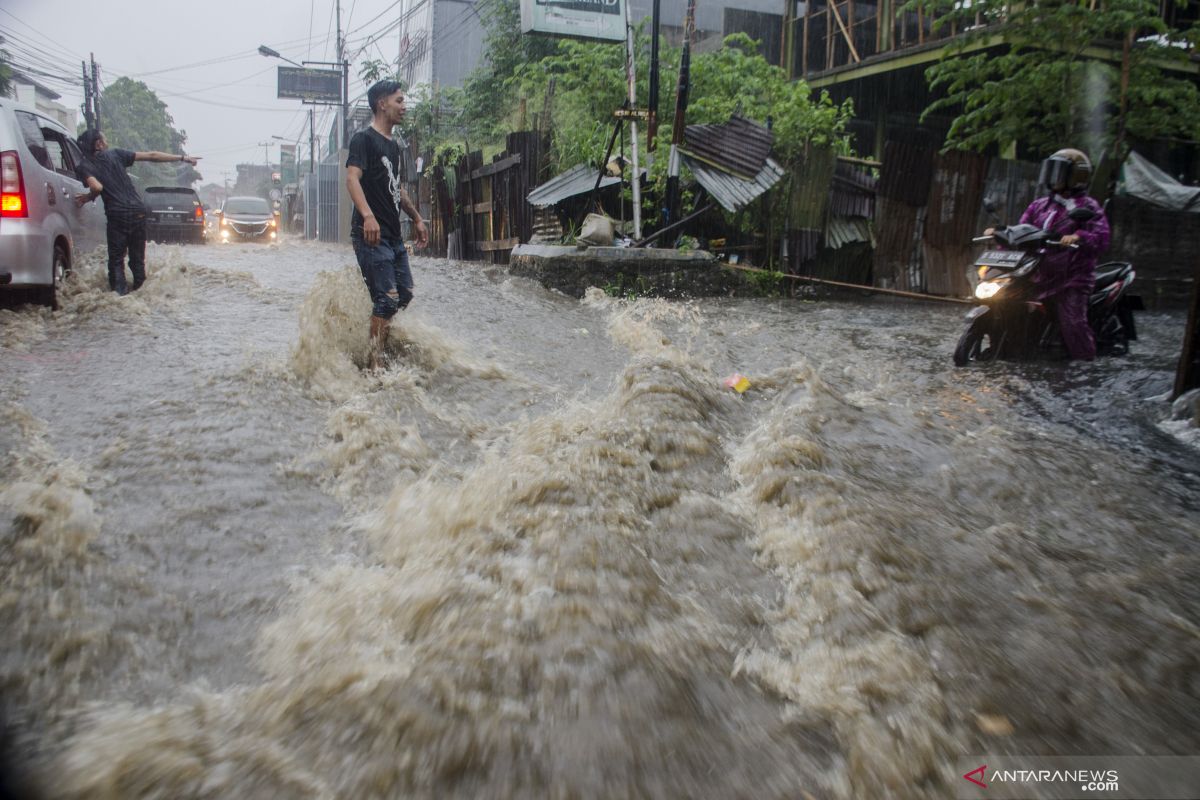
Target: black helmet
1066,169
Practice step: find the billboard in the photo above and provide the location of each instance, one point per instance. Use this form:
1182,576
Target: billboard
310,85
287,163
582,19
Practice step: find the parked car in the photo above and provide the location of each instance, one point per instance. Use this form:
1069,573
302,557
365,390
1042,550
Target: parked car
42,230
248,218
174,214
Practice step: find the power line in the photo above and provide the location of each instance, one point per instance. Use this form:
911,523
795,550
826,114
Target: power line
44,37
51,65
312,5
372,19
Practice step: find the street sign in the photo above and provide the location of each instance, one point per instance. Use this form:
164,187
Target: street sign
310,85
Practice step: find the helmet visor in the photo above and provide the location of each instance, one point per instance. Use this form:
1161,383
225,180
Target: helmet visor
1055,174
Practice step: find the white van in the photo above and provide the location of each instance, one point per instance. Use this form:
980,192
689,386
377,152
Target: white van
42,230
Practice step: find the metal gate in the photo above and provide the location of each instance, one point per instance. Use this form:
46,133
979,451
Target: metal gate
321,204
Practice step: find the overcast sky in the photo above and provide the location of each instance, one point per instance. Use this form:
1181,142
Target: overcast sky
202,60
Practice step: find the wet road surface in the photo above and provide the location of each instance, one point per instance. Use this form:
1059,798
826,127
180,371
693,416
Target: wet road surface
547,553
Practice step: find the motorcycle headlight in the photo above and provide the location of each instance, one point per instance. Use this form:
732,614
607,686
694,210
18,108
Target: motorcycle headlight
988,289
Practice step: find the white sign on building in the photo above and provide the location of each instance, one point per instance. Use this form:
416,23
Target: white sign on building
582,19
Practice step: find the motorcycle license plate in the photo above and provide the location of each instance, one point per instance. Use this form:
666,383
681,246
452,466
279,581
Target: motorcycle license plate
999,258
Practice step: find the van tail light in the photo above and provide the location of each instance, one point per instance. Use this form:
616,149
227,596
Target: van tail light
12,186
199,212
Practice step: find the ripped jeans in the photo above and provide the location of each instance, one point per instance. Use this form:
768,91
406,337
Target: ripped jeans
385,270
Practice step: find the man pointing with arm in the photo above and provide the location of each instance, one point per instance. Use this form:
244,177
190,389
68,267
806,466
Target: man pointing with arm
103,171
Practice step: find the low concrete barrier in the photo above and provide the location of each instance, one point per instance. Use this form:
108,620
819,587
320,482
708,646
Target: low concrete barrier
621,270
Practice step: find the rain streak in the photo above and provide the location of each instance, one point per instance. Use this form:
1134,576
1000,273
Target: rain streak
547,553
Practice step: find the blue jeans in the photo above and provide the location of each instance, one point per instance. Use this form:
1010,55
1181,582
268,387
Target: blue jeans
385,270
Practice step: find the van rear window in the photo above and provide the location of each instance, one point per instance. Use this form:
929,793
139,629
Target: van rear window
161,198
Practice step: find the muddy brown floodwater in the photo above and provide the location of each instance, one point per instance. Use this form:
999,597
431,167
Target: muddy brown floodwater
547,553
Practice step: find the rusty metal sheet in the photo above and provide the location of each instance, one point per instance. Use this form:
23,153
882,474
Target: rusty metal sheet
810,189
946,269
852,192
739,146
906,172
955,194
897,253
803,245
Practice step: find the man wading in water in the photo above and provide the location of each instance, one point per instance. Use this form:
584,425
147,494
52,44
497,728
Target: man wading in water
373,180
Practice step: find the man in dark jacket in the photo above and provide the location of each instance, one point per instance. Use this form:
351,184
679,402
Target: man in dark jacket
103,171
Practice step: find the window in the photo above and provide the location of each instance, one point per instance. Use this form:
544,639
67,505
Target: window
34,140
76,155
59,153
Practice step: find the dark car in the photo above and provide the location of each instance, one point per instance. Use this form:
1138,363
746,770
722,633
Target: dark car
175,215
248,218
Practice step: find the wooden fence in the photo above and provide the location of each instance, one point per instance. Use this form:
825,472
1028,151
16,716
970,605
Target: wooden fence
478,211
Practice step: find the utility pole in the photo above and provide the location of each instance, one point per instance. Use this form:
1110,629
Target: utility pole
89,115
266,154
633,127
341,57
652,119
681,102
312,143
95,90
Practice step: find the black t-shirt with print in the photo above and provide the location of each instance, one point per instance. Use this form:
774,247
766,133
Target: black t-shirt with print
108,166
379,159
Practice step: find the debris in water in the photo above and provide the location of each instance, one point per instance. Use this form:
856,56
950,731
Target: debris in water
739,383
994,724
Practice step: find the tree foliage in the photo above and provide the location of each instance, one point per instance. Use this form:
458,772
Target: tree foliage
588,80
1057,79
6,85
133,118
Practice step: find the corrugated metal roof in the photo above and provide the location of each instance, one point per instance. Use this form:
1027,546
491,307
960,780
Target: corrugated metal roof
846,230
730,191
579,179
852,192
738,146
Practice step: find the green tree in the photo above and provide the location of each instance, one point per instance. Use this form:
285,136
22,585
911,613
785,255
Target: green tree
590,84
6,86
1069,73
738,79
486,107
376,69
133,118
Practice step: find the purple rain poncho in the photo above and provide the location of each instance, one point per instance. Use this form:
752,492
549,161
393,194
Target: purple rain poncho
1061,270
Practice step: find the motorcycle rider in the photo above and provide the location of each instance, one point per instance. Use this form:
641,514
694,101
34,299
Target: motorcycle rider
1067,277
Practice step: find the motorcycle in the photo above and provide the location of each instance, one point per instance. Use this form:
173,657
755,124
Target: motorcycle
1011,322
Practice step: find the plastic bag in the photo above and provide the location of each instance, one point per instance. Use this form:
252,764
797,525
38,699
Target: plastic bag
597,230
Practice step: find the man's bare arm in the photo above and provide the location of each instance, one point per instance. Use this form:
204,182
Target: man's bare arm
155,155
354,187
95,188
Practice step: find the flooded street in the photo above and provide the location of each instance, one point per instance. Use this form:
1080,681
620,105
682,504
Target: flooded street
547,553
